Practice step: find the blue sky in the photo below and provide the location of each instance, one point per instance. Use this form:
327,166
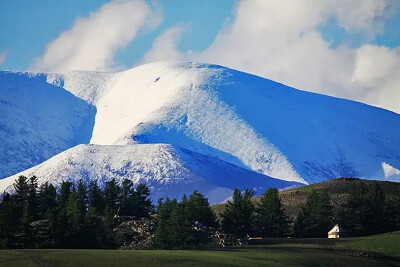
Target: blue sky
26,26
348,48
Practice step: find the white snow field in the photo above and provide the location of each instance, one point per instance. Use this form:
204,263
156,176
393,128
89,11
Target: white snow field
168,170
244,120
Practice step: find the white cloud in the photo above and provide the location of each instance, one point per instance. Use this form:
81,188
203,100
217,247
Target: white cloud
360,16
3,57
280,40
164,46
92,41
377,72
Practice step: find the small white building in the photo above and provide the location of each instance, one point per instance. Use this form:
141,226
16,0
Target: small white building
336,232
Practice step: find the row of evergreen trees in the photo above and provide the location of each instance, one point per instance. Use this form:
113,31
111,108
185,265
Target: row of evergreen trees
76,215
242,217
84,215
184,224
366,211
190,223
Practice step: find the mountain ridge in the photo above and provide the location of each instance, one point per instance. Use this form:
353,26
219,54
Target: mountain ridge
248,121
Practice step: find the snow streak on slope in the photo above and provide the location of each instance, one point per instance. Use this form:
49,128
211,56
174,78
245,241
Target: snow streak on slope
168,170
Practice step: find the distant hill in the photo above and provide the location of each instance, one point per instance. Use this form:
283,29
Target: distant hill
338,189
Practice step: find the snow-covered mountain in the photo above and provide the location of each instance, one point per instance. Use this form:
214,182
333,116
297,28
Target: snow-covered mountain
168,170
38,120
241,119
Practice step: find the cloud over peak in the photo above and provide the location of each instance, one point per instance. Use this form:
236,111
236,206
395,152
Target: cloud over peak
281,40
92,41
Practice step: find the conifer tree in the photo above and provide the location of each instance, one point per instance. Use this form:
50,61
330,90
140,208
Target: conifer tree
9,221
271,220
162,237
65,190
61,221
21,193
364,211
182,233
375,211
238,216
75,234
200,210
94,229
112,196
95,197
32,201
81,196
392,212
315,218
47,199
126,201
141,202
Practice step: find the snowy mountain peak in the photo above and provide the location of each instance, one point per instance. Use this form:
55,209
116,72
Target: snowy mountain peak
243,120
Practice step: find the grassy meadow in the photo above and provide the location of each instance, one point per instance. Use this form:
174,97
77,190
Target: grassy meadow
380,250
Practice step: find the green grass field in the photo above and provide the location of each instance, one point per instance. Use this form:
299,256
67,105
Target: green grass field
388,244
380,250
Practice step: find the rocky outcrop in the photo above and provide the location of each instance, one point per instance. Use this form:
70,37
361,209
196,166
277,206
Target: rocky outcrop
135,234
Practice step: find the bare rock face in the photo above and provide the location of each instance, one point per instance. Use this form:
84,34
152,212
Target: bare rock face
135,234
221,239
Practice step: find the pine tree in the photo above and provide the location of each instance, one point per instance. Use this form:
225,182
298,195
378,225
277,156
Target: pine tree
162,237
271,220
200,210
32,201
108,223
364,211
182,233
392,212
126,198
65,190
47,199
375,212
21,194
315,218
75,234
81,196
112,195
94,230
141,202
30,211
60,221
9,221
238,216
95,197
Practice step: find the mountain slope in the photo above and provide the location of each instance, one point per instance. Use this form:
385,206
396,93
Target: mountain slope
38,120
242,119
168,170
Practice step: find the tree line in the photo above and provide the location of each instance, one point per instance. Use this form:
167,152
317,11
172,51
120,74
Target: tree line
75,215
83,215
